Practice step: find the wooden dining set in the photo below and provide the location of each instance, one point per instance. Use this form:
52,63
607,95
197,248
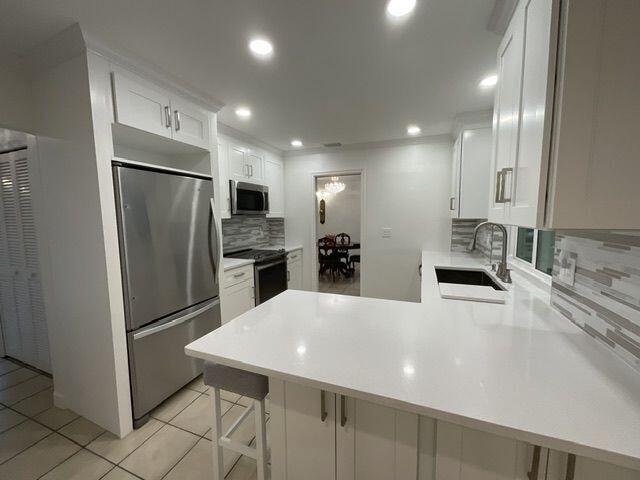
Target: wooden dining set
335,257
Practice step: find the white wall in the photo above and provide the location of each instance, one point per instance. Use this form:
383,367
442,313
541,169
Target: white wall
342,210
406,188
16,107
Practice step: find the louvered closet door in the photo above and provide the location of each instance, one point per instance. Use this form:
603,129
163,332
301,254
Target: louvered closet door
23,316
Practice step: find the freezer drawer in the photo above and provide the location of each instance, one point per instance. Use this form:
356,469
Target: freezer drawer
157,362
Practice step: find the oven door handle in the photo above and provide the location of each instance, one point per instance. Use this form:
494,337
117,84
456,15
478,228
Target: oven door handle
259,268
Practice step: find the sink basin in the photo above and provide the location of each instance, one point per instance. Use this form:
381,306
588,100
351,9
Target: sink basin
466,277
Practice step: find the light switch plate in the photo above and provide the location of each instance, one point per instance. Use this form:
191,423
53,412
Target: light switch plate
568,262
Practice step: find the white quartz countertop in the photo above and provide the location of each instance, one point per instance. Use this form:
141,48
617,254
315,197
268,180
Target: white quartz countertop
519,369
231,263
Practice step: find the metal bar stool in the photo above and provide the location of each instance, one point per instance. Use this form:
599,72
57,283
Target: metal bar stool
247,384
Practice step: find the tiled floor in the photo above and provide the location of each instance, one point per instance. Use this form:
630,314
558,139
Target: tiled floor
342,285
38,440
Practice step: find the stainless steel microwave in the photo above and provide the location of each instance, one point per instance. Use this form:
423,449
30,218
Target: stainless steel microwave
248,198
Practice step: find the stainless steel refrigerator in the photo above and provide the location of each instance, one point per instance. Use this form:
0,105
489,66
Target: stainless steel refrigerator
170,257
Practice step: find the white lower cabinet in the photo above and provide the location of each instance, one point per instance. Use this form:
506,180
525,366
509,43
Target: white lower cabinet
318,435
562,466
238,293
467,454
294,270
302,430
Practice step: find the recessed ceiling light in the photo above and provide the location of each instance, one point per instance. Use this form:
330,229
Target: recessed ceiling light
413,130
261,47
488,82
296,143
243,112
400,8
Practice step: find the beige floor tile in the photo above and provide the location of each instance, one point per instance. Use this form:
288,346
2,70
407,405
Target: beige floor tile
197,464
83,465
19,438
9,418
244,469
7,366
56,418
35,404
174,405
16,376
198,385
81,431
39,459
119,474
229,397
244,401
198,416
116,449
25,389
160,453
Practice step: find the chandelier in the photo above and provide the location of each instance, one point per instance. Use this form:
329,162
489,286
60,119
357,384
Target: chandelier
334,186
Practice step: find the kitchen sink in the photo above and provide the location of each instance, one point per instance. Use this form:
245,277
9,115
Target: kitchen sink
466,277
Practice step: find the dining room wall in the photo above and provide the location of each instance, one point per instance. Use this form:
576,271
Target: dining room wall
342,210
405,189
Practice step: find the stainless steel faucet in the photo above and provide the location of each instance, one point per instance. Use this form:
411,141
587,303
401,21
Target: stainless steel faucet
503,272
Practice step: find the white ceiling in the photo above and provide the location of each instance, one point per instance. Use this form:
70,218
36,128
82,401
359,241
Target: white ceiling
341,71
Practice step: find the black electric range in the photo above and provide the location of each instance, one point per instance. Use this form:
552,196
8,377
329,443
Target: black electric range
270,273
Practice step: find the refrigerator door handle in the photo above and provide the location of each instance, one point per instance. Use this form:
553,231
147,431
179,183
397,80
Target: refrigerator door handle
173,323
215,252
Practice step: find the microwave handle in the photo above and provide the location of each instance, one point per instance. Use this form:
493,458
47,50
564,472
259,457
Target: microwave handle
265,200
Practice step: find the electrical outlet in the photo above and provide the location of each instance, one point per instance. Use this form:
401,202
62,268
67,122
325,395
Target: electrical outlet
568,262
386,232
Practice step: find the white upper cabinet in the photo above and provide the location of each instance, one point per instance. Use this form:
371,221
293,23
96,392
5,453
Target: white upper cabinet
141,105
255,164
565,151
274,179
190,124
245,164
470,175
147,107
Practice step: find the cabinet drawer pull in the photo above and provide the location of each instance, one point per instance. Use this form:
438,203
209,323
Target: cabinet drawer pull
498,187
343,410
571,467
176,116
505,171
167,117
535,464
288,275
452,203
238,275
323,405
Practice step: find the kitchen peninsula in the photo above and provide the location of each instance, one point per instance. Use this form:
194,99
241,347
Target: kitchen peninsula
517,385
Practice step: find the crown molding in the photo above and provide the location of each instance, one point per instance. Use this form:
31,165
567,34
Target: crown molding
501,16
152,72
225,129
398,142
479,119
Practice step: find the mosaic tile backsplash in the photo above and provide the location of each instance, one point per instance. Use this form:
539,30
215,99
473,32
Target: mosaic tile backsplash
604,299
244,231
462,235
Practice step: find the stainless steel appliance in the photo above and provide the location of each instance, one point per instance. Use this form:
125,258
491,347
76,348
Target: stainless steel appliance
248,198
170,257
269,271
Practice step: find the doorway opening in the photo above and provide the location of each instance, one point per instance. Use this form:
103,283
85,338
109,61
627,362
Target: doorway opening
338,234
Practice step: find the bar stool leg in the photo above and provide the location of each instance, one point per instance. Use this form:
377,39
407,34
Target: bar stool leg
261,439
218,465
